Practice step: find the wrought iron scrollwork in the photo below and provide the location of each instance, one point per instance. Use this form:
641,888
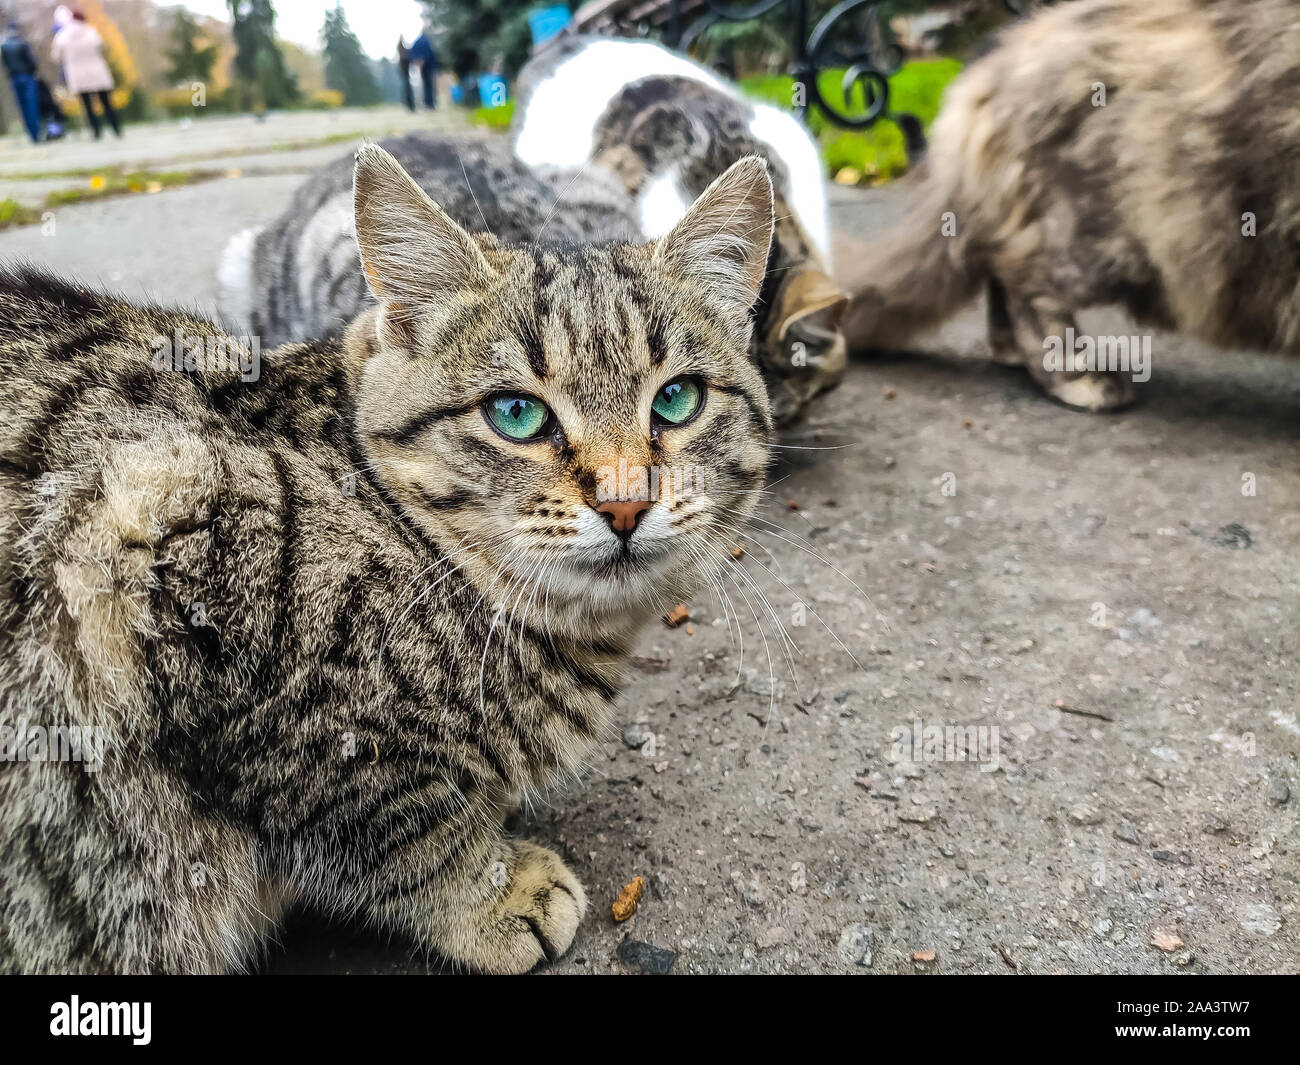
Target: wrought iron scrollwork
868,65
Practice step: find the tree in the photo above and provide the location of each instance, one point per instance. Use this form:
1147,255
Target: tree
388,79
477,36
190,60
346,67
260,69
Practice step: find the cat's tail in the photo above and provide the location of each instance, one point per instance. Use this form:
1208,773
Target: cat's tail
913,277
235,282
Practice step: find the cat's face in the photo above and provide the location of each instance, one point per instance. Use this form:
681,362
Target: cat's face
800,344
582,428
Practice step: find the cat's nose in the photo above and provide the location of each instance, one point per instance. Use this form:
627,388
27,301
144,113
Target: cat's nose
623,514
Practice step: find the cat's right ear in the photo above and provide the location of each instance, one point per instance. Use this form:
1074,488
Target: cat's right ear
411,250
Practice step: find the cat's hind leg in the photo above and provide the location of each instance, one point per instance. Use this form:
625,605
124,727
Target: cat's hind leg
1002,335
1043,327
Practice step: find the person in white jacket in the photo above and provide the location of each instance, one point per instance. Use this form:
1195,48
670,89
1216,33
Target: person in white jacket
79,49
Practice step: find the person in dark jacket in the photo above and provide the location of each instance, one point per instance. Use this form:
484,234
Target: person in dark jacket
20,65
426,58
404,73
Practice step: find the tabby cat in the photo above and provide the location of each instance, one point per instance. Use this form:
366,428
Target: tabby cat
300,277
338,607
1144,153
666,127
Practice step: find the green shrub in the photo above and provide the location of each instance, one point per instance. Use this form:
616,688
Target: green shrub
13,213
877,152
494,117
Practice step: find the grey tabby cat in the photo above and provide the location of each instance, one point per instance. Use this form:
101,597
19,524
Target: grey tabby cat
336,622
300,277
1141,153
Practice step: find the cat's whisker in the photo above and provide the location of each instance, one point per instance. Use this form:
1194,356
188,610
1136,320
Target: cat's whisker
789,647
812,610
460,159
713,575
498,610
808,550
828,447
728,562
762,547
544,580
564,192
767,650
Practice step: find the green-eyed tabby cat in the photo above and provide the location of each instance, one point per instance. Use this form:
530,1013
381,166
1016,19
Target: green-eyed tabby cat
324,615
1143,153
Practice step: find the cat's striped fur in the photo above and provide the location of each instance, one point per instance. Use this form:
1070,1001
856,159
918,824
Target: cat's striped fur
299,277
334,625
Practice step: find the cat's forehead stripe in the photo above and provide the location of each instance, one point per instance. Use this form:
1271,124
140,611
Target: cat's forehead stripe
598,301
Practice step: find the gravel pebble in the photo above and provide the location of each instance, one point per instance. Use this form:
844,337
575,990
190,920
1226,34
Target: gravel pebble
646,957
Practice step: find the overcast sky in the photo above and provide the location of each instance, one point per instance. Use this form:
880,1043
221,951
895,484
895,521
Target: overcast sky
378,23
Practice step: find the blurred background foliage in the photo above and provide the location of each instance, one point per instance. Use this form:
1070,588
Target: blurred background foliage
161,53
935,38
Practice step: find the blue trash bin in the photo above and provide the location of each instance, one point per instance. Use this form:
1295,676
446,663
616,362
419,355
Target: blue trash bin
491,90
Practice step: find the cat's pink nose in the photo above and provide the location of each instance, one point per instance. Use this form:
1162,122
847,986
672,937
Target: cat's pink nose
623,514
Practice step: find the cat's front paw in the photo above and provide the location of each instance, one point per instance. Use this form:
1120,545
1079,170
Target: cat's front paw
537,917
1095,391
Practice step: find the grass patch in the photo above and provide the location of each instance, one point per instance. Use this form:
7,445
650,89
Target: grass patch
494,117
13,213
875,154
102,184
120,183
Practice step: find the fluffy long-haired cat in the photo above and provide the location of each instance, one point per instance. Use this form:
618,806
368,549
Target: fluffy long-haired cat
666,127
1142,153
322,616
300,276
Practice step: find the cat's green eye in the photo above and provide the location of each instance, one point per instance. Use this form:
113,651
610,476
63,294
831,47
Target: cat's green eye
677,402
518,417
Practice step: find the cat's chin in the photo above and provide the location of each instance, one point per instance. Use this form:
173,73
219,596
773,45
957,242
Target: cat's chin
631,588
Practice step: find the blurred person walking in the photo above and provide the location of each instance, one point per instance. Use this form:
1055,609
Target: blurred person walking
79,49
422,53
20,65
404,73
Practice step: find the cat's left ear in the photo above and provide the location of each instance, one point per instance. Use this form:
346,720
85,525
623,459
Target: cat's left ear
723,240
411,250
812,299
